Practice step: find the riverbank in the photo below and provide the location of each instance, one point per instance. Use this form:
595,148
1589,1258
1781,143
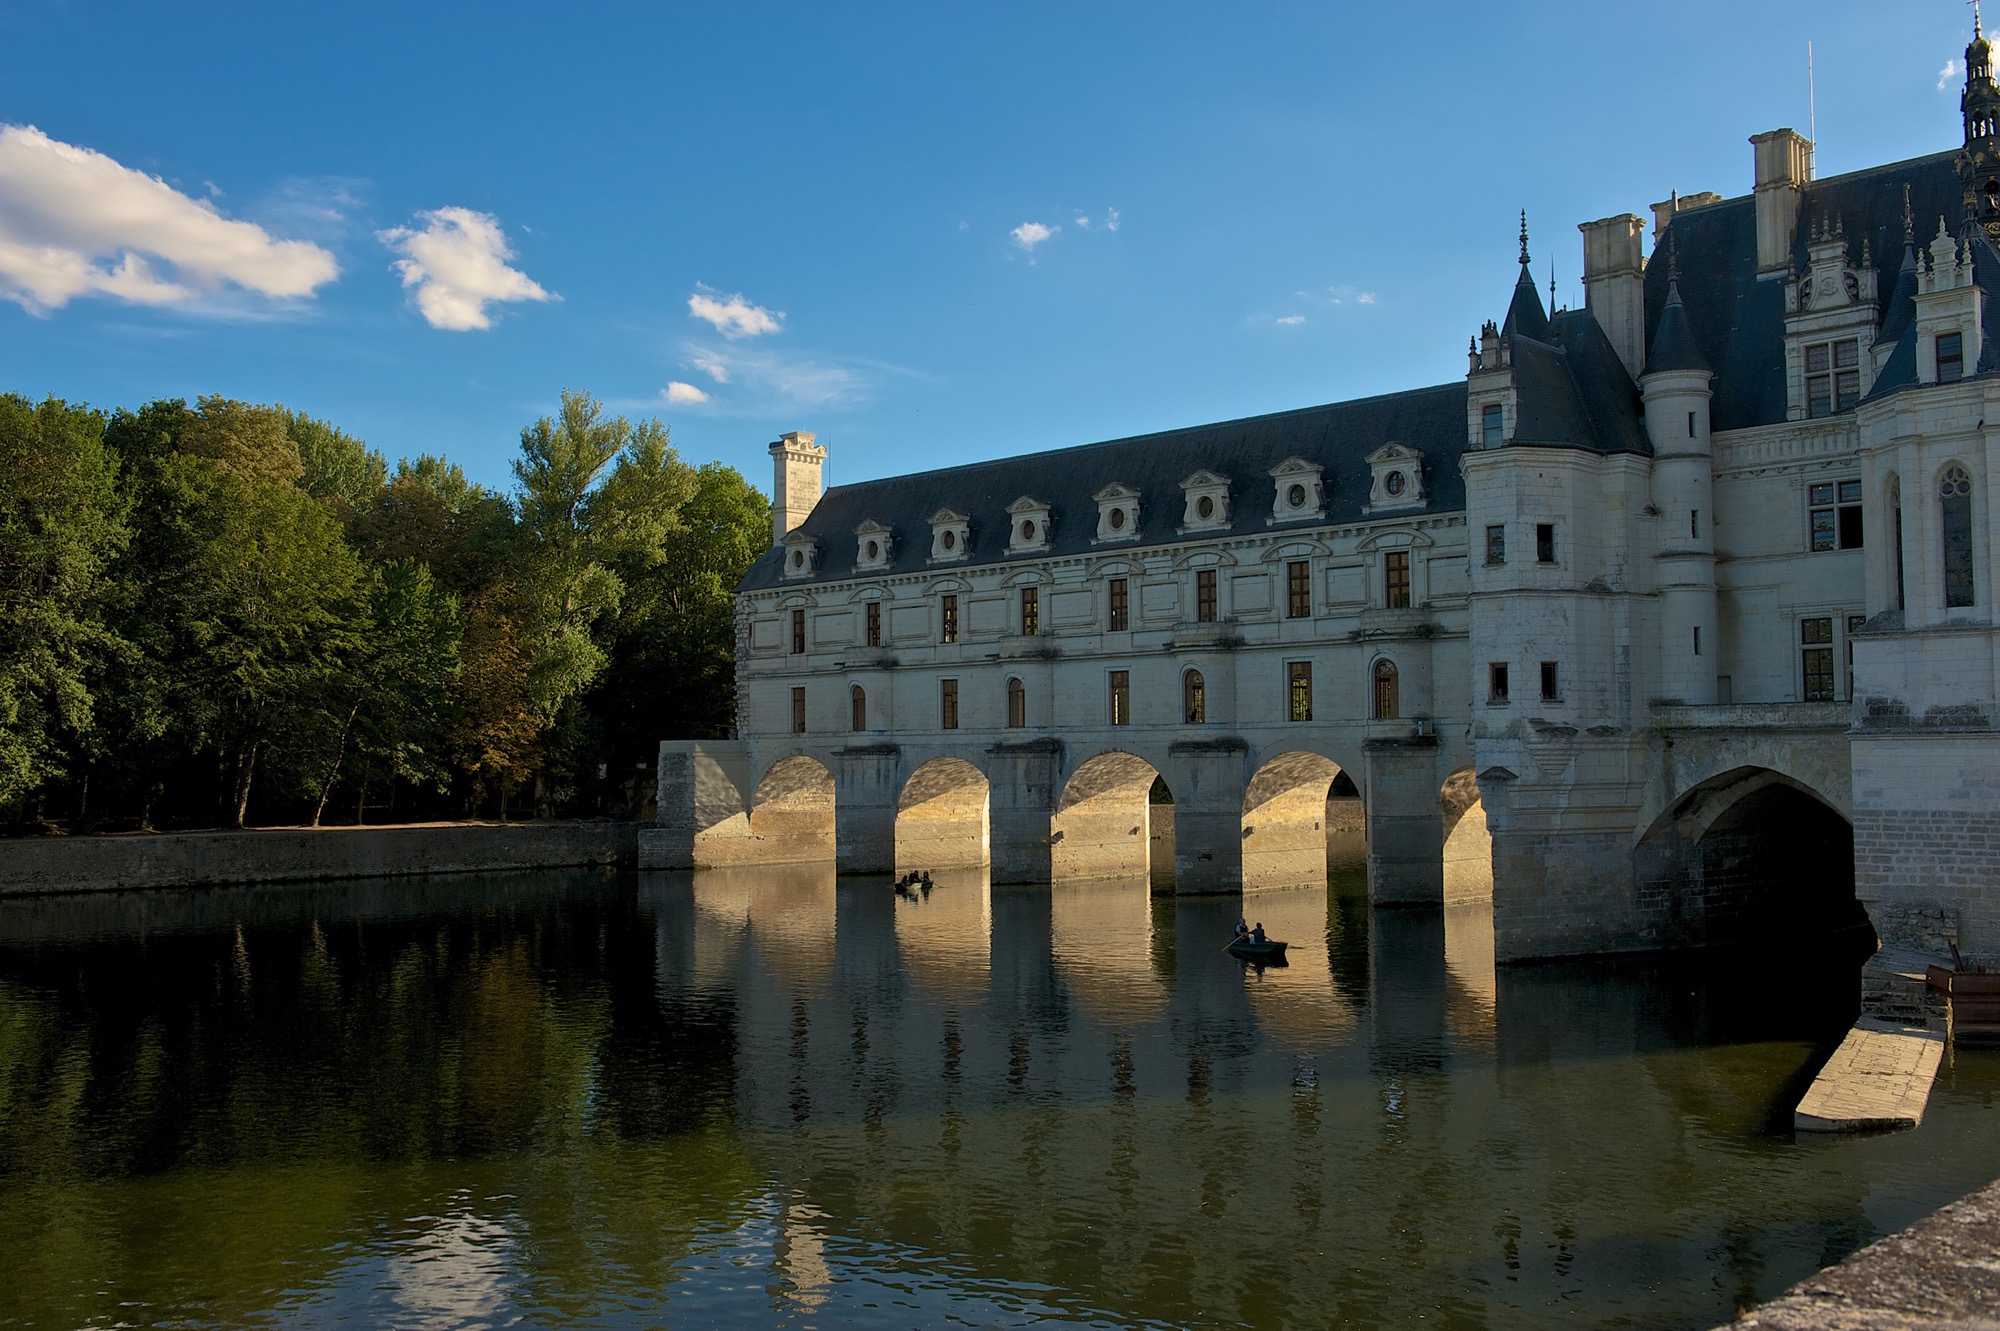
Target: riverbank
43,865
1942,1272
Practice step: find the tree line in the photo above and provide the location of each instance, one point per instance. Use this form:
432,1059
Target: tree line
230,613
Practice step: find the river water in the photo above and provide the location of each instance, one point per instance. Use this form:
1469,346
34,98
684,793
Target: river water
766,1098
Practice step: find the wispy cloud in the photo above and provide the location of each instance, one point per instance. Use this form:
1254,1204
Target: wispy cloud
1947,74
1109,222
733,316
767,379
680,394
711,366
1350,296
74,222
1289,320
457,266
1030,234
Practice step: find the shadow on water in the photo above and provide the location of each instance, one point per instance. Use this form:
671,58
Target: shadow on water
773,1096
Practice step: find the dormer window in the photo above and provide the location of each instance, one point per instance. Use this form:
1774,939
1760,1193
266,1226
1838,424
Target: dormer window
1950,357
1300,493
1397,478
1833,377
1117,513
1205,499
1028,526
872,546
1492,425
801,554
951,536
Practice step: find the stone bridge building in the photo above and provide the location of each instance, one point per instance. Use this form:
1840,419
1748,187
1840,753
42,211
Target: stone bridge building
1670,623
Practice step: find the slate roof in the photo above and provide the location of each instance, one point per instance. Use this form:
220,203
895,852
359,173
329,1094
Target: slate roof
1738,322
1674,347
1900,370
1572,390
1339,437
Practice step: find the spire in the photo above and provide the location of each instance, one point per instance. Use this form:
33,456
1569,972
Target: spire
1525,315
1524,237
1674,347
1979,160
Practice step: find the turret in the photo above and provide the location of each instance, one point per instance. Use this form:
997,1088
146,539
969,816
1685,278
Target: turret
1675,388
1979,159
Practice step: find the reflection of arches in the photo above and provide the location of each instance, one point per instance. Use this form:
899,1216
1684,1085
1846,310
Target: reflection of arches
1284,821
1387,691
1468,847
941,817
1751,855
1103,823
792,811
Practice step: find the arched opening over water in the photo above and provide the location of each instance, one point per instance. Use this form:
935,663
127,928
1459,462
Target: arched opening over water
1753,856
791,813
942,817
1468,847
1103,824
1286,812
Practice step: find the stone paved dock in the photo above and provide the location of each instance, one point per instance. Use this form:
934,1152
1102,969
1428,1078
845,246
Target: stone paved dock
1880,1077
1942,1272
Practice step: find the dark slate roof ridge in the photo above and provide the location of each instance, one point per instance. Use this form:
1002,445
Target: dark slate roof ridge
1071,450
1550,405
1610,397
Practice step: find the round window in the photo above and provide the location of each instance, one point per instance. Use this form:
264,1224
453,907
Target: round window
1028,530
1296,496
874,550
1117,519
1955,483
798,559
1204,507
949,540
1394,483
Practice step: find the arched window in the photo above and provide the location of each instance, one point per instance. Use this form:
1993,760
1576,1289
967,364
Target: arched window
1388,702
1194,698
1896,532
1017,704
1955,503
858,698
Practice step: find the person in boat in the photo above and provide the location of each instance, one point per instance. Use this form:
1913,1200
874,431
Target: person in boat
1242,930
1257,934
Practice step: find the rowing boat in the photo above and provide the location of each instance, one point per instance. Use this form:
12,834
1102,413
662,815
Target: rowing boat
1270,951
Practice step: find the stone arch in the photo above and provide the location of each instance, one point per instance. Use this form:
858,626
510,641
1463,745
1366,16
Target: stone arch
1102,827
1284,820
1468,846
792,811
1750,855
1818,764
942,817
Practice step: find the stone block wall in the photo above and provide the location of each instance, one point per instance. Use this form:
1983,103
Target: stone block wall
1927,840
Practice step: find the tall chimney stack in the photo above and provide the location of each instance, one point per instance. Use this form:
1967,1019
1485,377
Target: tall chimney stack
1784,166
1614,284
796,482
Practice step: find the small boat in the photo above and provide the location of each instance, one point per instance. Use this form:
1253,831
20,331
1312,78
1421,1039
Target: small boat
1271,952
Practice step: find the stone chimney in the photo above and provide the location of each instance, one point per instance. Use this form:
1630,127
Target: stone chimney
796,482
1614,284
1664,210
1784,166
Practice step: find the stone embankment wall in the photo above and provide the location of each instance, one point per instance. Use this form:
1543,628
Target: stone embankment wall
284,855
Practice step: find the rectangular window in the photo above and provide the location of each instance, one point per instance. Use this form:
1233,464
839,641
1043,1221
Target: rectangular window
1694,524
947,704
1031,611
874,623
1950,357
1496,682
1816,656
1690,425
1492,422
1697,640
1396,580
1204,596
1833,515
949,633
1833,377
798,711
1496,544
1121,606
1545,542
798,632
1299,690
1298,589
1121,698
1551,682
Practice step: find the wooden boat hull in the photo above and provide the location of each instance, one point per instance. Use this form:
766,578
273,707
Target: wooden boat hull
1271,953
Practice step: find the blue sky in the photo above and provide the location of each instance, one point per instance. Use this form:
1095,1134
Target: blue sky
928,232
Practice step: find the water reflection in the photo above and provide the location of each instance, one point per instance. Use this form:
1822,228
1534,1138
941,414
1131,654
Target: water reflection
767,1096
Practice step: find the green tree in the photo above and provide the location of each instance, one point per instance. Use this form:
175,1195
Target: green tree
335,466
61,521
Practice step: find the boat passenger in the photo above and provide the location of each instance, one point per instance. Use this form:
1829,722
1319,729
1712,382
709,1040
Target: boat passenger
1242,929
1257,934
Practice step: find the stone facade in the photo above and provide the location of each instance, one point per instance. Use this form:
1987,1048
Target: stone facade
1664,586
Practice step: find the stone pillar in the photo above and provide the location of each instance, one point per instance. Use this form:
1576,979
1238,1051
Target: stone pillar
1208,780
1024,782
864,807
701,800
1405,825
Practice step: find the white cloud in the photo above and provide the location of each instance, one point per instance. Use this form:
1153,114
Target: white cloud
1110,222
458,265
780,380
1290,319
73,222
733,316
712,366
1342,295
682,394
1947,74
1030,234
